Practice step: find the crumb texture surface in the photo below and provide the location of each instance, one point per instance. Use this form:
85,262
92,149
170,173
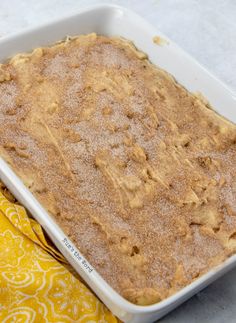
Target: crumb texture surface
138,172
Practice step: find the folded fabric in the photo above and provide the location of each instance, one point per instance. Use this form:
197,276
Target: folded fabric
36,283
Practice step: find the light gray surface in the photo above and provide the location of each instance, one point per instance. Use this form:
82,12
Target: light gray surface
205,29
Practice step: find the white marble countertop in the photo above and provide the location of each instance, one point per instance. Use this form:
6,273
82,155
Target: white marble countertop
205,29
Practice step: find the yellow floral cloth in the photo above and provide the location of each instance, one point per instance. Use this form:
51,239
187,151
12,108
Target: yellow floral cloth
36,283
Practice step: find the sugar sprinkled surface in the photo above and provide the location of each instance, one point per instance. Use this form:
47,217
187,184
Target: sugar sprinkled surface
138,172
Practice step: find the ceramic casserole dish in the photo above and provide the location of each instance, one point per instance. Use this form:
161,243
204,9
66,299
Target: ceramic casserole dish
111,20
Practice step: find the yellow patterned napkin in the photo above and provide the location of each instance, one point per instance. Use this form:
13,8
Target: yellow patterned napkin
36,283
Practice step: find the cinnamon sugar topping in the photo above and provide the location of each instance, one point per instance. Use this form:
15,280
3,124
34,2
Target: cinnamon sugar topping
138,172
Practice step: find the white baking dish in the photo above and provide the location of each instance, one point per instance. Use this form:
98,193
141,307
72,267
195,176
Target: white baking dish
114,20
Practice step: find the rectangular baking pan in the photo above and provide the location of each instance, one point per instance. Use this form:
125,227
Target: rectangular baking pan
112,20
